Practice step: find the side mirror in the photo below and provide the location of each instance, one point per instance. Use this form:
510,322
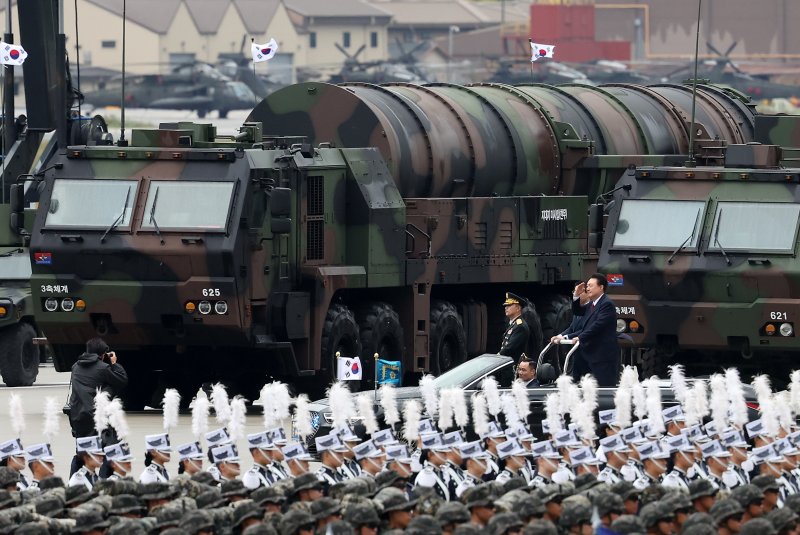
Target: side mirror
596,218
17,222
17,197
281,225
280,203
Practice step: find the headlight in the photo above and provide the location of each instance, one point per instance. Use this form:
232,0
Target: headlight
51,304
621,325
204,307
221,307
786,329
67,304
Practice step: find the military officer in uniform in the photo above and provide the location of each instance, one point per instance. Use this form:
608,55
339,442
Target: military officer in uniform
190,458
276,439
119,459
515,339
297,458
90,452
616,454
258,475
432,474
13,456
475,458
331,450
683,453
547,461
512,455
226,459
370,458
40,462
349,468
654,459
217,437
158,454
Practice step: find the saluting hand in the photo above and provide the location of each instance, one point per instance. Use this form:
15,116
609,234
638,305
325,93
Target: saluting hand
580,289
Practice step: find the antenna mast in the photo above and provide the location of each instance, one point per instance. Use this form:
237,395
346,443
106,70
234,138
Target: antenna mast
692,161
122,141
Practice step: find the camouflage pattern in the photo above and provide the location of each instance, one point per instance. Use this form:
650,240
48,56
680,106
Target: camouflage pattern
411,210
744,300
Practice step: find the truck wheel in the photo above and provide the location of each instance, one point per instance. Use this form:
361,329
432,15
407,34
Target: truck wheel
652,362
448,342
223,114
535,338
201,114
381,333
19,358
339,334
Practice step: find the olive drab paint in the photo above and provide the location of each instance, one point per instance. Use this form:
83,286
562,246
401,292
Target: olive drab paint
357,219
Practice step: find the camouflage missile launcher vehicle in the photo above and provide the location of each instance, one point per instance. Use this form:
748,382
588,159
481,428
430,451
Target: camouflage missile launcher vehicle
368,219
704,258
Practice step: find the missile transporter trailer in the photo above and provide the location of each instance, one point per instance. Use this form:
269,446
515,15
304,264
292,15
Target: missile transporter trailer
703,259
371,219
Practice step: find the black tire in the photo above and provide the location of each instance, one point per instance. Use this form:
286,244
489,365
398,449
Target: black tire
653,362
223,114
201,114
340,333
535,336
448,342
381,333
19,357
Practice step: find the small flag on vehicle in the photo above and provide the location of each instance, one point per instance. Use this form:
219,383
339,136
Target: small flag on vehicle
12,54
539,50
264,52
389,372
348,369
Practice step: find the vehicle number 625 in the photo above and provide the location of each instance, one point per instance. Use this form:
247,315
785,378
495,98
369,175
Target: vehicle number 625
778,316
214,292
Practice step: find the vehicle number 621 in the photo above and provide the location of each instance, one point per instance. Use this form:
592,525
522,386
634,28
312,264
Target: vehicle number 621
778,316
214,292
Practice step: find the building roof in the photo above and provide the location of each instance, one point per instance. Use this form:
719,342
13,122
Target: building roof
335,9
154,15
434,13
207,14
256,14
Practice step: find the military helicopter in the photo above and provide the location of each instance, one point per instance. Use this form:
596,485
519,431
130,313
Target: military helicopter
716,71
545,71
190,86
374,72
613,72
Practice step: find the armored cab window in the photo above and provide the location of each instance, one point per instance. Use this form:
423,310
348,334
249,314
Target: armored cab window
110,201
187,205
754,226
658,224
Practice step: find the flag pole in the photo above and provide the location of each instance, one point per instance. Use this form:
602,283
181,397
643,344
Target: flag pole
375,356
530,42
255,77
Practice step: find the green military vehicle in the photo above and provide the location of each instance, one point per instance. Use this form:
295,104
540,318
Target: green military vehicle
704,258
19,356
353,219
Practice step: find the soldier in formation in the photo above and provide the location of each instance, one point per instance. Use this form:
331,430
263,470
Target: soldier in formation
697,467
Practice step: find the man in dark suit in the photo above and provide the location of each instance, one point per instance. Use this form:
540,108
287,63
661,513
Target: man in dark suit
526,372
598,338
579,365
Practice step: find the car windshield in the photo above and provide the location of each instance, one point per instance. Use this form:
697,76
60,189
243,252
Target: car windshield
94,204
467,372
182,204
15,267
658,224
755,226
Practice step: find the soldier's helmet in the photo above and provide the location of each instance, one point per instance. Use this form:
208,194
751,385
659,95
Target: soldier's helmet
292,521
530,506
363,514
195,521
452,513
747,495
245,510
89,521
575,510
677,501
701,487
724,509
766,483
500,523
628,525
758,526
654,512
540,527
423,525
782,518
607,503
